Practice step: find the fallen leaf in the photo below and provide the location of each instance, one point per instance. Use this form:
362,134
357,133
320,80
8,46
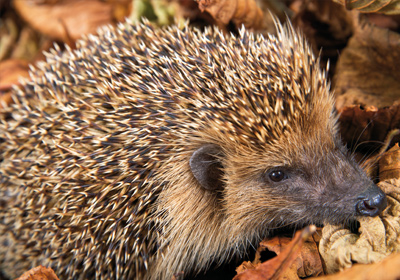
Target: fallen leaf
367,72
282,266
308,263
10,72
368,126
68,20
245,266
387,269
310,259
39,273
326,25
389,164
390,7
385,21
240,12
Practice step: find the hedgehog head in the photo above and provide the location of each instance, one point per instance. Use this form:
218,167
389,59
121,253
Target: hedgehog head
266,153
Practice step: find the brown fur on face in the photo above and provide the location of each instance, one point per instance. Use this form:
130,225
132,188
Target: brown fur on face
324,185
108,156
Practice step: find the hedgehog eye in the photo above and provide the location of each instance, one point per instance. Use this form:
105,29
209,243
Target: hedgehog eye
277,175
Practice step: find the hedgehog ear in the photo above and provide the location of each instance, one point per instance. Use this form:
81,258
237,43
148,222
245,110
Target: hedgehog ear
207,168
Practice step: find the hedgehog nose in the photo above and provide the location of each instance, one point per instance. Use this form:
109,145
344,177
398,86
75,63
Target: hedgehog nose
371,203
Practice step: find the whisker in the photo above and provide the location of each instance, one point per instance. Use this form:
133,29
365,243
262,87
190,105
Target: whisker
359,136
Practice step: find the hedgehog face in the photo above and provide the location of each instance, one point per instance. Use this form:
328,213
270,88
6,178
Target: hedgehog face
276,187
308,190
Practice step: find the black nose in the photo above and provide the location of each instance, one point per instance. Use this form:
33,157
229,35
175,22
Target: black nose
372,204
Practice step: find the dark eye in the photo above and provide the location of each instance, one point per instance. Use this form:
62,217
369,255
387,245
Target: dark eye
277,175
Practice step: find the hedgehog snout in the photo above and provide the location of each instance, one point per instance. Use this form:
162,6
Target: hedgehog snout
372,202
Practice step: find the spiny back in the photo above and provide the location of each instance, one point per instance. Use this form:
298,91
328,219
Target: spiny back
83,143
193,75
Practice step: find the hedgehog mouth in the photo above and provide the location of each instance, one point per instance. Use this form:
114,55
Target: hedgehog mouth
323,216
336,218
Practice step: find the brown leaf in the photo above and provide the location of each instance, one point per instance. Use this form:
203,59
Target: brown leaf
340,248
308,263
385,21
310,259
390,7
10,72
17,40
39,273
238,11
283,265
68,20
326,25
388,269
275,244
245,266
367,72
389,164
368,125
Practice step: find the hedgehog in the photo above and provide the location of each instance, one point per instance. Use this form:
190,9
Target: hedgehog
150,151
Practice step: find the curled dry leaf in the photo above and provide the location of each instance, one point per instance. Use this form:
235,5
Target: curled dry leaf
389,7
367,72
244,12
69,20
286,264
377,238
340,248
388,269
39,273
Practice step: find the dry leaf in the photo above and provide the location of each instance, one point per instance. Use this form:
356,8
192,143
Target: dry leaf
8,36
368,125
240,12
308,263
340,248
389,164
385,21
284,265
10,72
39,273
378,237
18,40
311,263
326,25
367,72
388,269
390,7
68,20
